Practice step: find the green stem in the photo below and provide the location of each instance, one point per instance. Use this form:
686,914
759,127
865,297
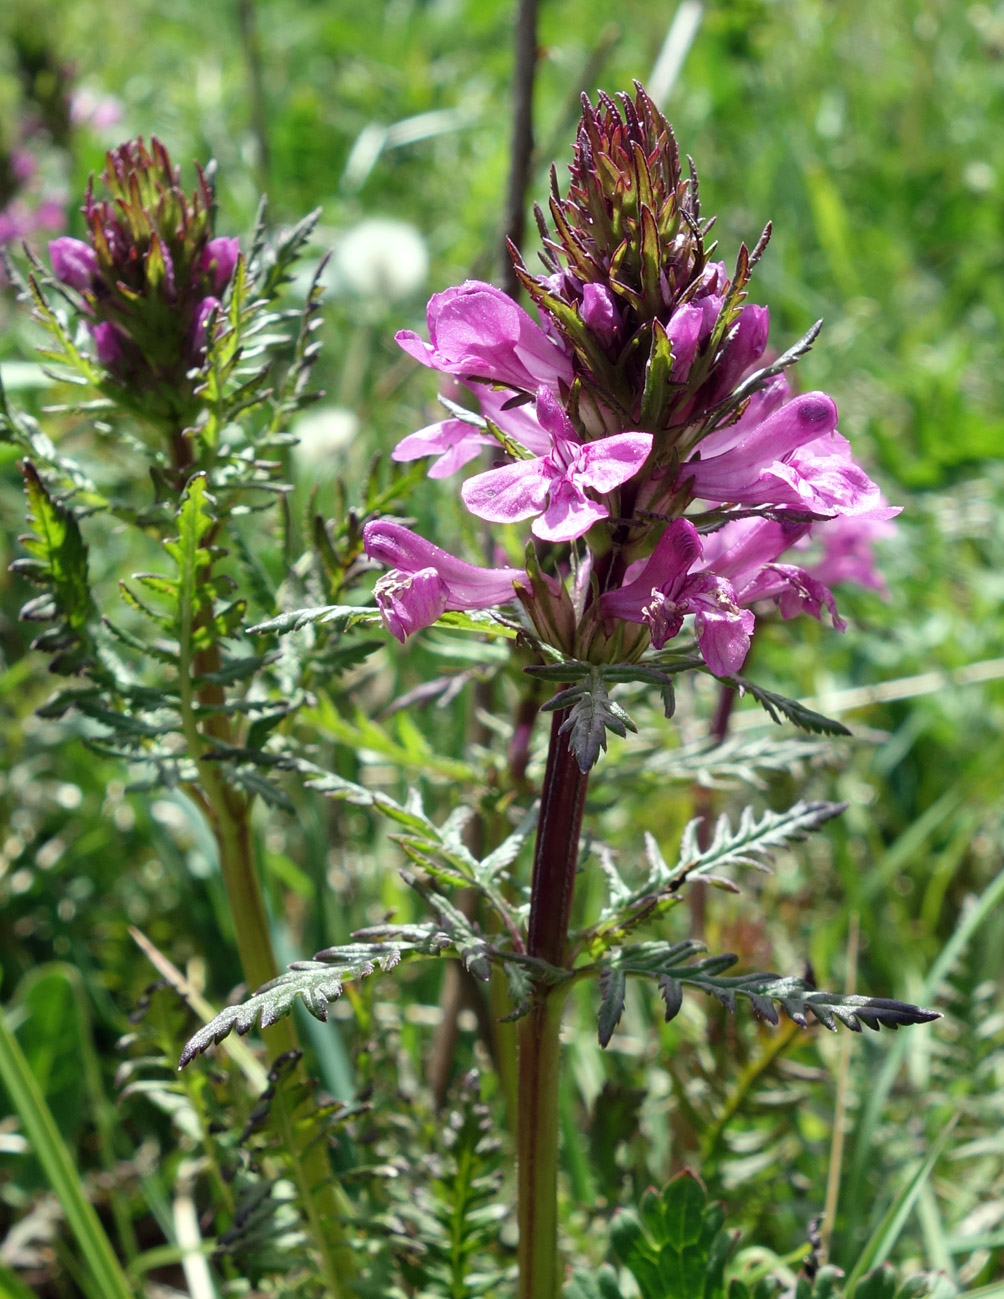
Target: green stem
539,1069
562,803
229,814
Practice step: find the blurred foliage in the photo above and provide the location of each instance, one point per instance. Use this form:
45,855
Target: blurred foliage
866,133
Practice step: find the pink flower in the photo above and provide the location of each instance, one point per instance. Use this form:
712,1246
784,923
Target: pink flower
794,457
551,489
599,313
746,552
220,256
73,263
477,332
669,587
847,552
107,342
426,581
457,442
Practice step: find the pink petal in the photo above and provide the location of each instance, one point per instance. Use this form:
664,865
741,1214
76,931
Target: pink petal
410,601
509,493
569,514
724,638
609,462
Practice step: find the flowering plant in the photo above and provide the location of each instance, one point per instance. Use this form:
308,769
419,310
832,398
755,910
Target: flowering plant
655,467
662,469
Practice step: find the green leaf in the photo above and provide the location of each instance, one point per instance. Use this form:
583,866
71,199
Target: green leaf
59,564
591,713
667,963
341,617
776,706
61,1169
749,845
613,983
316,983
674,1245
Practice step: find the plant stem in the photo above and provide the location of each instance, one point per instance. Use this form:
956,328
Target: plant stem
556,853
562,802
539,1264
228,811
521,153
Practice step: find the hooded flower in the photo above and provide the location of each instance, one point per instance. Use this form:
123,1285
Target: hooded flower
477,332
671,585
427,581
551,489
747,552
794,457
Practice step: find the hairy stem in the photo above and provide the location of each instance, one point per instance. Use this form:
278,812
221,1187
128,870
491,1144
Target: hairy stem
562,804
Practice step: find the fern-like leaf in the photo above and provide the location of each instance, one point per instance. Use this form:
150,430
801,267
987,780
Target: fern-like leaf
316,983
751,844
591,713
59,565
671,967
777,706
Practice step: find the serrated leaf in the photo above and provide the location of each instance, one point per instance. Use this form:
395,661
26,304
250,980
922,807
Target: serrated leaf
776,706
340,617
474,950
316,983
613,983
59,564
668,964
591,713
509,849
519,982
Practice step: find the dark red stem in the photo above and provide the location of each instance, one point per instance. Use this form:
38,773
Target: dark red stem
562,803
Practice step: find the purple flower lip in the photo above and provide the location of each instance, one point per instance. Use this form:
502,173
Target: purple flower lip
551,489
669,587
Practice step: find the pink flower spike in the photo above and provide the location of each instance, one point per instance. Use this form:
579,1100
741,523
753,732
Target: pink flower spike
74,263
552,487
409,598
476,331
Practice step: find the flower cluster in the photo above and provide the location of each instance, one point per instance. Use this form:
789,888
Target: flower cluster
634,417
150,276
